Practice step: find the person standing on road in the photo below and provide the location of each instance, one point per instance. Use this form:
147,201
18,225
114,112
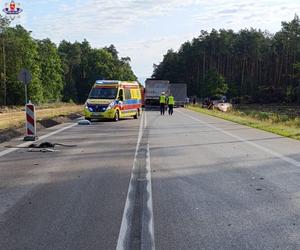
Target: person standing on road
187,102
171,103
162,103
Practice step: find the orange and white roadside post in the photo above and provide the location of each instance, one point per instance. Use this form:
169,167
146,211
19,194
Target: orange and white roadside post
30,123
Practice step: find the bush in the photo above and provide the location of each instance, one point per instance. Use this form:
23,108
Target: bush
297,122
262,116
280,118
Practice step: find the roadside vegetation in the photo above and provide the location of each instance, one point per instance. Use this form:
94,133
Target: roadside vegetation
247,66
63,72
62,76
251,67
279,119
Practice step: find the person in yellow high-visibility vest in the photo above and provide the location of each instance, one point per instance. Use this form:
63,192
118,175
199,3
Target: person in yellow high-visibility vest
162,102
171,103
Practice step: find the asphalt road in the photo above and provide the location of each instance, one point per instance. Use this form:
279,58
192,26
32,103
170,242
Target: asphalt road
71,199
186,181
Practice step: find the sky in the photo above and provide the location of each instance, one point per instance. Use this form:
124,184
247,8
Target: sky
145,29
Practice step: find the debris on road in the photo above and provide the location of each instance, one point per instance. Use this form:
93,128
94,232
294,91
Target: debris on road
84,122
43,150
43,145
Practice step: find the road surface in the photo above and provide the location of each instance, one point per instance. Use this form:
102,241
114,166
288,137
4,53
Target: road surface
187,181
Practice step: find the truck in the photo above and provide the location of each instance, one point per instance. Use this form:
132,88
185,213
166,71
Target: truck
153,89
179,91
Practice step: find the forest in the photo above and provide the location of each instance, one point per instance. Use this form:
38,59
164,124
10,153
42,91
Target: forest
59,73
249,66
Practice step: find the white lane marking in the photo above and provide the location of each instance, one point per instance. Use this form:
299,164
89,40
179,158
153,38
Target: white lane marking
149,201
25,144
145,122
150,224
125,222
267,150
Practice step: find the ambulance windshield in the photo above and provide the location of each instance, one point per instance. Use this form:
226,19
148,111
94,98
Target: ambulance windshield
103,93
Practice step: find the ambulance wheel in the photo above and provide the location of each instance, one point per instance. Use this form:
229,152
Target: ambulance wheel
117,116
136,115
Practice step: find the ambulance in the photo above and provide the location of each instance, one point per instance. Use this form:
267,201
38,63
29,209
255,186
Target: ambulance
110,99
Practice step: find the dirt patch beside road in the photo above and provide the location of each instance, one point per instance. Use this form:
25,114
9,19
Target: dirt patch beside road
12,124
15,119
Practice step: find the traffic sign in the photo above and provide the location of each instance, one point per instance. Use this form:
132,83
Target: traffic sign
25,76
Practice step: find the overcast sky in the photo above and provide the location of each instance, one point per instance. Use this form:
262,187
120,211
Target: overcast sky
145,29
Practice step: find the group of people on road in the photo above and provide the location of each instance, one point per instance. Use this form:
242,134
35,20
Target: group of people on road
166,100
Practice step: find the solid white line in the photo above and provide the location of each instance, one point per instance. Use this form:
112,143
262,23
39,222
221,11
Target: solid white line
150,224
267,150
125,222
25,144
145,122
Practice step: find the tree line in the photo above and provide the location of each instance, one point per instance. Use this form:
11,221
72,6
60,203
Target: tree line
248,66
59,73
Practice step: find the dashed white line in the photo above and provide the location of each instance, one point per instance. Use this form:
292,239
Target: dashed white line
125,222
146,223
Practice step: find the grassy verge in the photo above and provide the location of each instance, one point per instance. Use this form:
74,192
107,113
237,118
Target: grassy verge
14,117
281,120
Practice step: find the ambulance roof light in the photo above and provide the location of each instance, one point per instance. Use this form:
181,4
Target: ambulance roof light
107,82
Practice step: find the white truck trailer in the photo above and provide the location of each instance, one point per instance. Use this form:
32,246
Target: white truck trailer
179,91
153,89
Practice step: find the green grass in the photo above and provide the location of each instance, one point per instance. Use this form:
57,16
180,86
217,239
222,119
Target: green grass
281,120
